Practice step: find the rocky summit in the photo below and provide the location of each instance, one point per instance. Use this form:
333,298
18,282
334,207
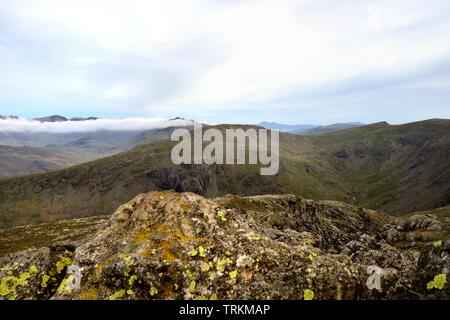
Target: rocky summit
167,245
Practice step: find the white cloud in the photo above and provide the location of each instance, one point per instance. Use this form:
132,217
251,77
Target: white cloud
199,57
127,124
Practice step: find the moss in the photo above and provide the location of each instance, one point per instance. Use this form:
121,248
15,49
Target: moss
90,294
143,235
308,294
438,282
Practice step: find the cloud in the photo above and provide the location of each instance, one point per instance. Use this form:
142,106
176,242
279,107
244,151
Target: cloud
221,60
127,124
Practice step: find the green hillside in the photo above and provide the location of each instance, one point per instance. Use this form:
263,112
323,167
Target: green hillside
395,169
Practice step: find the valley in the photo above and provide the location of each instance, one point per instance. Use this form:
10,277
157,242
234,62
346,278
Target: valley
395,169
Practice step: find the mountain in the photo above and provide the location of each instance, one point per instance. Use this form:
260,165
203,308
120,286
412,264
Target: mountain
58,118
167,245
8,117
54,118
288,127
24,153
391,168
19,161
329,128
83,119
309,129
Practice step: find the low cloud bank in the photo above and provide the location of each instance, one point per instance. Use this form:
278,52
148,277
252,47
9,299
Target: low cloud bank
125,124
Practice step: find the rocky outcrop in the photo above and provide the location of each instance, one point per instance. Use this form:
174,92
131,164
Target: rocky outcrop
200,179
167,245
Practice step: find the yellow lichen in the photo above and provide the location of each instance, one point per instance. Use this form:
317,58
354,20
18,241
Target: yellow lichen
63,263
312,255
213,296
128,261
252,236
191,275
308,294
221,215
221,264
33,269
193,252
201,251
63,287
437,244
153,291
438,282
131,280
192,286
204,267
119,294
45,278
233,274
9,284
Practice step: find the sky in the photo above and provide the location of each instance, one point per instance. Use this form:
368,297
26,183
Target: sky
235,61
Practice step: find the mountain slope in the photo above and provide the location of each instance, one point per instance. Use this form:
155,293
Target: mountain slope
394,169
19,161
400,168
27,153
329,128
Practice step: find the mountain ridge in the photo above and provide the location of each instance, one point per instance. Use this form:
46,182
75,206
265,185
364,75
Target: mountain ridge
394,169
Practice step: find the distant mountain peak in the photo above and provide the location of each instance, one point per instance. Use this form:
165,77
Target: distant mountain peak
58,118
8,117
287,127
83,119
54,118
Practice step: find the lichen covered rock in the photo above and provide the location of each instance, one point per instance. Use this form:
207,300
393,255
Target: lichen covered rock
166,245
